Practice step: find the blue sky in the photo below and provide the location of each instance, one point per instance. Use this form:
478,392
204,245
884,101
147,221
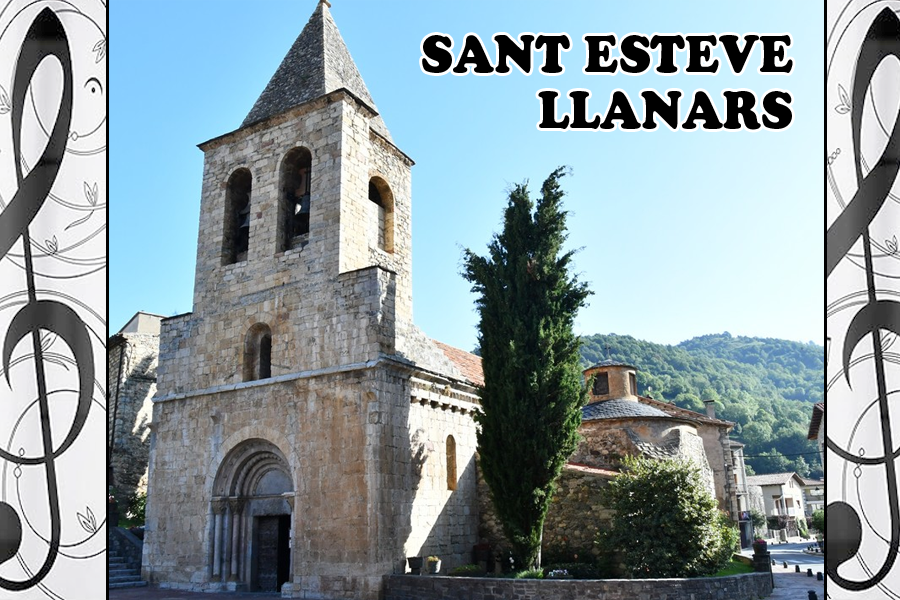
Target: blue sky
681,233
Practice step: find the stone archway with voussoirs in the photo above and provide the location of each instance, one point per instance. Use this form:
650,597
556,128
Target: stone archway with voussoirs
251,504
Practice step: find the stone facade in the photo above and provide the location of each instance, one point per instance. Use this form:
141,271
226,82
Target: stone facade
737,587
353,447
134,350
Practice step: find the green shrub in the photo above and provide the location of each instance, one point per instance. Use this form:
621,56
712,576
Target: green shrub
467,571
576,570
681,532
777,522
801,527
137,506
818,520
729,543
529,574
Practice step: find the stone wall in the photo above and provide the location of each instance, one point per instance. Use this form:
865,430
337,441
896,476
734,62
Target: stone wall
576,514
605,442
575,517
738,587
366,453
130,409
718,452
445,521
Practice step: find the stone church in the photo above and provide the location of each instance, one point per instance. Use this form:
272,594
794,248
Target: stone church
307,437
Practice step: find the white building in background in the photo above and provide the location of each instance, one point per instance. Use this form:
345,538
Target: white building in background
782,494
813,495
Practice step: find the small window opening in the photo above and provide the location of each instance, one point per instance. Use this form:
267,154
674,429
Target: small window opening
236,236
601,384
265,357
451,463
296,175
632,381
383,204
258,353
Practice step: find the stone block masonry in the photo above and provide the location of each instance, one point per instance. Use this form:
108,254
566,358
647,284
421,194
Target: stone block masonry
131,408
738,587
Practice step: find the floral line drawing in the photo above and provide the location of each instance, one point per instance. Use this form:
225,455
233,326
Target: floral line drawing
100,49
844,107
89,522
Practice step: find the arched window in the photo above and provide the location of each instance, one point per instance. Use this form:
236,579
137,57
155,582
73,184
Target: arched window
236,233
258,353
382,213
296,170
451,463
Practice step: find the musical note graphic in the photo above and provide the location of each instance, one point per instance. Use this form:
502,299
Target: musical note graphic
49,322
860,555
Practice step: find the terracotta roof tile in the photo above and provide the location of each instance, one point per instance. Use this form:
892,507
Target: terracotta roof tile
466,362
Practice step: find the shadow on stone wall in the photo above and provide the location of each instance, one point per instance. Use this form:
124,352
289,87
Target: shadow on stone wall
451,523
130,453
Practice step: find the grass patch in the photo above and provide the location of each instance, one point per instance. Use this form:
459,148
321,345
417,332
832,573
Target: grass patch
733,568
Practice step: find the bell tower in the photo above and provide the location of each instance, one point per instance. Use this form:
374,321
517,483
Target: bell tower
304,223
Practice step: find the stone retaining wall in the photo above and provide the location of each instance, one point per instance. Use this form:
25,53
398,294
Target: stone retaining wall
738,587
573,522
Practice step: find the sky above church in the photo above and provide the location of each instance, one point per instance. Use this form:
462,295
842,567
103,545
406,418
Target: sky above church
680,233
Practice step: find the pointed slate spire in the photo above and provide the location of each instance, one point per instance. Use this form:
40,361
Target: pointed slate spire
317,64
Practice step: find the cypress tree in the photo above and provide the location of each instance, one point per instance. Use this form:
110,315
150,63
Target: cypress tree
533,391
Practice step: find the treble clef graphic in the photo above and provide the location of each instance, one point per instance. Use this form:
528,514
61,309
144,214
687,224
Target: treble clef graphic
46,37
843,523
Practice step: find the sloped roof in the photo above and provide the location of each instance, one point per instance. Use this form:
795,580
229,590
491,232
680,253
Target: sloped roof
618,409
677,411
772,479
667,449
816,421
317,64
468,364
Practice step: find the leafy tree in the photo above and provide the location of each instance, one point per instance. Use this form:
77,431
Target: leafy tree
682,532
772,462
818,520
533,391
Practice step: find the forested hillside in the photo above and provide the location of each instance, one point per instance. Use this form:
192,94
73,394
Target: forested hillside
766,386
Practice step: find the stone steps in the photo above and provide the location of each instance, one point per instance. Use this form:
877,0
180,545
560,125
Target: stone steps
119,575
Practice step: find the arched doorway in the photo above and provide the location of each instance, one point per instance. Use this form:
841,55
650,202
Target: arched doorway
251,506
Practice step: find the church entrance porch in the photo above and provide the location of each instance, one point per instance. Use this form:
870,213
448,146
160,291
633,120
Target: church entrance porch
252,507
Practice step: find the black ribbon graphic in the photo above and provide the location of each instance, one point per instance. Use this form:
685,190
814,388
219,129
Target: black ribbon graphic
842,521
46,37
